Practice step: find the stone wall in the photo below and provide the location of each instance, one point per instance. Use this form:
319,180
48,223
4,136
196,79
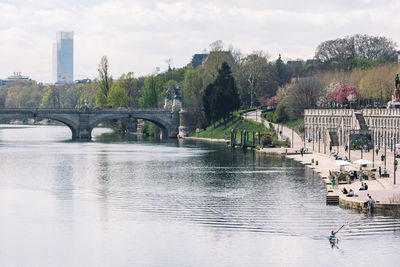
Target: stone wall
384,125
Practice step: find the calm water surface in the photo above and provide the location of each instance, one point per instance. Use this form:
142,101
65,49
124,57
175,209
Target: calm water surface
135,203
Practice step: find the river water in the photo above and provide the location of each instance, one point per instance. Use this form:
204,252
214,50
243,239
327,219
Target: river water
137,203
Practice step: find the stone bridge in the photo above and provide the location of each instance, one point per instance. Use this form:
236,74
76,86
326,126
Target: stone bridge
82,121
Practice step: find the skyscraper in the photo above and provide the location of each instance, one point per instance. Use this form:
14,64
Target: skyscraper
63,58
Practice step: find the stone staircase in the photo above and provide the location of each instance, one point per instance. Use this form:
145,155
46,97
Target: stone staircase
334,138
332,199
361,121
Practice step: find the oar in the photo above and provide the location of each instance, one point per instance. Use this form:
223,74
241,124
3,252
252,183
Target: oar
339,229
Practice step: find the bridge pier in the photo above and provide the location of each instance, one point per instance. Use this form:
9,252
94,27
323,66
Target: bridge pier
82,134
84,130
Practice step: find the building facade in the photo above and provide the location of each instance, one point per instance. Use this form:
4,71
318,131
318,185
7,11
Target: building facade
63,58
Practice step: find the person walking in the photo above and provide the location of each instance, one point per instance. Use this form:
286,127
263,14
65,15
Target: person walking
380,171
376,151
333,182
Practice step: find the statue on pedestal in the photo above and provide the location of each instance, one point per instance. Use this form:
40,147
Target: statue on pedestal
178,93
396,93
168,99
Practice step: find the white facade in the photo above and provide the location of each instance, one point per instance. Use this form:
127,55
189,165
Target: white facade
63,58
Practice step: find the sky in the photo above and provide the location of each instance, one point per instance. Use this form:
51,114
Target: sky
140,35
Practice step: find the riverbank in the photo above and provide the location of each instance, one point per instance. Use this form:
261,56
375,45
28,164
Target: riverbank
206,139
385,191
385,194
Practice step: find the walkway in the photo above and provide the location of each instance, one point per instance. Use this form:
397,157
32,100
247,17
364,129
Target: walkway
382,189
285,131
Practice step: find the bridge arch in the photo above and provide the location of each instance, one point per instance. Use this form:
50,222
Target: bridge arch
162,123
67,122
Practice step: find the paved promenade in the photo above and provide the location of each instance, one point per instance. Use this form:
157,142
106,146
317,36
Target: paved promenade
381,189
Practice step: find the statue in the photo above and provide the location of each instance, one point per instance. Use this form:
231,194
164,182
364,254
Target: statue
168,95
396,94
178,93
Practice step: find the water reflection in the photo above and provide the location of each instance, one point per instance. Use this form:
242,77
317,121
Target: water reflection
171,204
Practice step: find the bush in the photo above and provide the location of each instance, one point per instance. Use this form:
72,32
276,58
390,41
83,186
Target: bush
281,113
270,116
266,140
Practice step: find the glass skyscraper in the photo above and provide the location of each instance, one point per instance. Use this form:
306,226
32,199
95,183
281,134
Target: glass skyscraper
63,58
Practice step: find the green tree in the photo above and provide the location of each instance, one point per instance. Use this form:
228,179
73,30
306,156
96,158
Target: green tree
103,83
151,93
132,89
221,97
116,97
50,99
258,78
283,72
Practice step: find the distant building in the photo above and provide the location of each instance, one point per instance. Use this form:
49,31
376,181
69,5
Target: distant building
197,60
63,58
17,76
87,80
310,61
294,62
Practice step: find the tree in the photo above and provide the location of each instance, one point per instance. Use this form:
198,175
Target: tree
132,89
303,94
151,93
345,94
221,97
50,99
192,92
217,46
23,94
343,51
116,97
283,72
258,77
103,83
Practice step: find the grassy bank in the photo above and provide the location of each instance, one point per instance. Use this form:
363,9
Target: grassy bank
223,130
297,125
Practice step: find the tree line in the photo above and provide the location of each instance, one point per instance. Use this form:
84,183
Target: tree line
224,79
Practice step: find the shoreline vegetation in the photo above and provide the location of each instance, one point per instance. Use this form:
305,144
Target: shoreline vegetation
222,130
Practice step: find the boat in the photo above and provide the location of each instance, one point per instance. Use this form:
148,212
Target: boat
333,239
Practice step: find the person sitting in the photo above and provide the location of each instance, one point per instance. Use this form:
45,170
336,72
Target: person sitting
351,193
362,186
344,190
370,200
366,186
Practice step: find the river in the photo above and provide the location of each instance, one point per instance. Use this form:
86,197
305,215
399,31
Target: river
143,203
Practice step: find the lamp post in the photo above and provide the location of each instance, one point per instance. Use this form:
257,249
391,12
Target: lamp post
373,152
349,144
394,164
292,139
313,137
319,140
385,152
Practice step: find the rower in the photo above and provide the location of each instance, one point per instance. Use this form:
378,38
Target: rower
333,235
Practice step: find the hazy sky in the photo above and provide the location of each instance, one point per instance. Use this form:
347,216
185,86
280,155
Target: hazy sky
140,35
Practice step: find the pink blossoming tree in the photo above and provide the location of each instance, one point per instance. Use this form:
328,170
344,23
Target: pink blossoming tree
345,94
